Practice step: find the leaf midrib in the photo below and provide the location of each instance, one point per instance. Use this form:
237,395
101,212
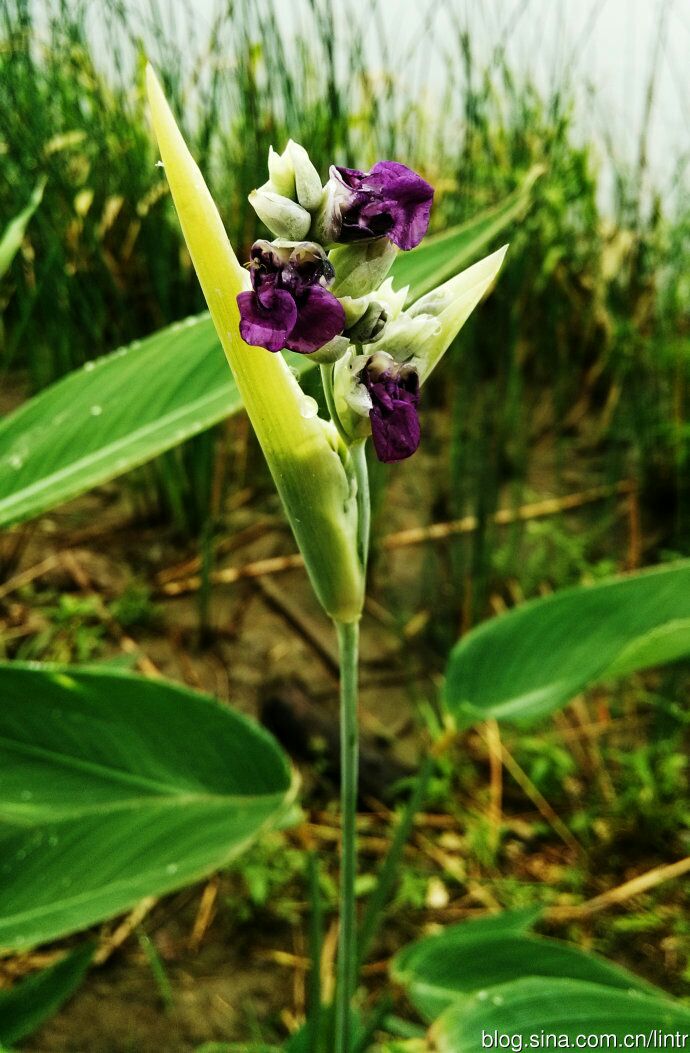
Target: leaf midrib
32,814
113,775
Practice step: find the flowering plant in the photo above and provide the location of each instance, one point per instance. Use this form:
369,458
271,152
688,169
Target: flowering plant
321,289
115,789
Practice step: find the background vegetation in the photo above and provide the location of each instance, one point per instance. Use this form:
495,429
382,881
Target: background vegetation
574,375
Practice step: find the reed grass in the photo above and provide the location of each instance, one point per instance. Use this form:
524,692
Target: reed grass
583,346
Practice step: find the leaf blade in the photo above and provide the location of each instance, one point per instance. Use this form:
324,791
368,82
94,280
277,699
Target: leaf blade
441,256
32,1001
564,1007
455,964
536,658
98,809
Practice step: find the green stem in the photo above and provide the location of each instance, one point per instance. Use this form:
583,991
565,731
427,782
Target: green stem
326,369
348,642
359,463
315,948
358,454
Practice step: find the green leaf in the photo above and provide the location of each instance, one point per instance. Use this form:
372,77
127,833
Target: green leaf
565,1007
441,256
13,235
467,958
26,1005
113,415
113,788
130,406
536,658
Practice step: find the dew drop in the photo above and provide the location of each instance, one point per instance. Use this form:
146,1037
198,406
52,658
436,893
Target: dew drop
96,411
62,680
53,840
171,868
89,367
15,461
309,407
482,996
26,795
497,999
159,164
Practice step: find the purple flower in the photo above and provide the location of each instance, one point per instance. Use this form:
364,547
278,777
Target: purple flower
391,200
394,393
289,306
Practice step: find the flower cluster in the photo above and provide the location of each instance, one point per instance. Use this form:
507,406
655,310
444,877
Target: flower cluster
321,288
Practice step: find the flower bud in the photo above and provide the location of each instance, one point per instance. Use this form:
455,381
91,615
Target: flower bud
281,173
370,325
361,267
284,218
332,351
407,336
307,180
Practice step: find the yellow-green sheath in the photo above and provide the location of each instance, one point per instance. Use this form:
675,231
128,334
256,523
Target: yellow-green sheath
305,456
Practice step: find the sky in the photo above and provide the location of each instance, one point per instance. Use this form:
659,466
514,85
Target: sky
607,45
610,44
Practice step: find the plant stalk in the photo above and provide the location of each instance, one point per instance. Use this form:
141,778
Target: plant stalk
348,642
359,462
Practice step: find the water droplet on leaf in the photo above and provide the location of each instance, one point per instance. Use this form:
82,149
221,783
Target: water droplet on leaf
309,407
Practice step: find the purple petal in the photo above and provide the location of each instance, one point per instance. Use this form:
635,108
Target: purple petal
350,177
320,317
394,422
390,200
267,323
408,198
395,431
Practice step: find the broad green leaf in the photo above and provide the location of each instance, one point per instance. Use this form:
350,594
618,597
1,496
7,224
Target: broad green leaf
435,972
13,234
128,407
32,1001
502,923
536,658
113,788
441,256
525,1008
113,415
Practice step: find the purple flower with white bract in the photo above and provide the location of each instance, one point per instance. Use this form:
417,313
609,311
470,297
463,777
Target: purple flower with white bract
394,393
290,306
389,201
